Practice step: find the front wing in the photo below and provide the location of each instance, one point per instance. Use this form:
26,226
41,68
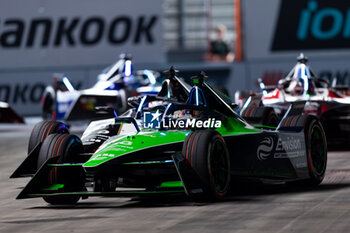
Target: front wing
38,186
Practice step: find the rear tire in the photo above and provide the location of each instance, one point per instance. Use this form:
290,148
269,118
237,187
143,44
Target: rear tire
207,154
42,129
66,147
316,147
316,151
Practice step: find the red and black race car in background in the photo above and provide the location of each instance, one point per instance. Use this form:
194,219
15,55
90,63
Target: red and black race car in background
330,104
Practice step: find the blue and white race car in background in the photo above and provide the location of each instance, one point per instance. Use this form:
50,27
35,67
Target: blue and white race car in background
114,86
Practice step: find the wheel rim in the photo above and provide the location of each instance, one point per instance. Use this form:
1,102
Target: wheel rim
219,166
317,151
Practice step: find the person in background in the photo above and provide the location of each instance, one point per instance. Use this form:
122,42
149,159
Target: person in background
219,50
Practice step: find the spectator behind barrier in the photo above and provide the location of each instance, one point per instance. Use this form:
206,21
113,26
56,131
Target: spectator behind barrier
219,50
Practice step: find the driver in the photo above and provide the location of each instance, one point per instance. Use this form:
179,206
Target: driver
299,83
295,87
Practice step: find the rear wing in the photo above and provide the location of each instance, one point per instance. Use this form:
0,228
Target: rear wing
252,101
295,108
291,119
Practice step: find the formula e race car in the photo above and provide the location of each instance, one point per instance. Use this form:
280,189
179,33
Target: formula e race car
193,146
330,104
114,85
8,115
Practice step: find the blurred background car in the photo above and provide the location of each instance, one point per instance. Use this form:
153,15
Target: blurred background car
8,115
330,103
115,84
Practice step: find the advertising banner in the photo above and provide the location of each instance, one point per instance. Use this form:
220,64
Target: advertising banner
78,38
39,33
282,28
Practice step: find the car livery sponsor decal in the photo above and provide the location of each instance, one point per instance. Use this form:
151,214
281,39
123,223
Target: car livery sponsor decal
265,148
289,148
286,146
121,146
124,144
101,157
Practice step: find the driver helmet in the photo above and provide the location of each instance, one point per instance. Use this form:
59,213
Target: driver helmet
300,80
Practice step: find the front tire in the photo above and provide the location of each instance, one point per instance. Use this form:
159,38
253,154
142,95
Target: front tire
43,129
66,147
206,152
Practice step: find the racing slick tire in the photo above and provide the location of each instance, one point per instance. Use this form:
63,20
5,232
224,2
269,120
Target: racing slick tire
66,147
265,116
316,148
42,129
206,152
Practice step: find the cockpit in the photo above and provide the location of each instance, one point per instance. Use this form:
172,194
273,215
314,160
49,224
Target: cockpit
301,81
122,73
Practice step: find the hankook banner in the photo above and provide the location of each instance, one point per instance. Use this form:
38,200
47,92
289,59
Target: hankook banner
50,33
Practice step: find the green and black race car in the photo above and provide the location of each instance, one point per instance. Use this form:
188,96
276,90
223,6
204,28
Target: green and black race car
186,139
